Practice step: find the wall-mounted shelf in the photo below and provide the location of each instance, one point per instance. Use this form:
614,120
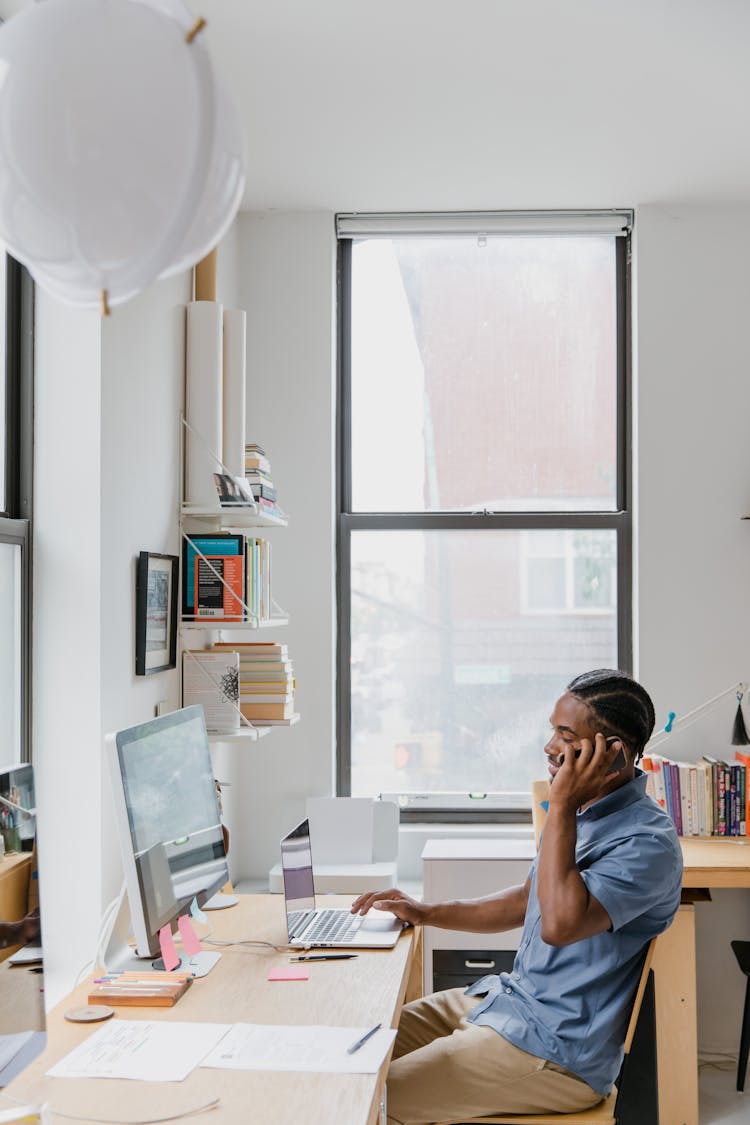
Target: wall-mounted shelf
229,518
253,733
244,734
280,722
231,626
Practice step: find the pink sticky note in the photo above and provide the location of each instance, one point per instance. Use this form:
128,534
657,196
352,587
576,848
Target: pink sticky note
190,942
289,972
168,951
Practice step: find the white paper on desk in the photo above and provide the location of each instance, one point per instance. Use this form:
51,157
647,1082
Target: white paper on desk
252,1046
151,1052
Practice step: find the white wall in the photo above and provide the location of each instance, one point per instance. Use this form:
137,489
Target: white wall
693,551
108,401
67,647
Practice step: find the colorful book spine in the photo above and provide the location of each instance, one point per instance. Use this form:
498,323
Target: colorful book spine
668,789
674,773
721,814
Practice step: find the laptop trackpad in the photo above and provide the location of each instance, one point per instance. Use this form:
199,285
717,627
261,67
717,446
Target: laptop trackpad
380,920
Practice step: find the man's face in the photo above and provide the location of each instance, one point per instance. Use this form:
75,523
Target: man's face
571,721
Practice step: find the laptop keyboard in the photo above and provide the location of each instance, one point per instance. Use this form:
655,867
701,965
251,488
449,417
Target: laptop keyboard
296,919
333,925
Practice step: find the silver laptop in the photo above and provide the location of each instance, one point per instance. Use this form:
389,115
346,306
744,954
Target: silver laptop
324,928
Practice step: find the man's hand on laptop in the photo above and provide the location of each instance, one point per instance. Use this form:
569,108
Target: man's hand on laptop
393,900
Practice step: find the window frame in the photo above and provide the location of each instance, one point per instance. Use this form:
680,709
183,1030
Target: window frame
15,516
347,521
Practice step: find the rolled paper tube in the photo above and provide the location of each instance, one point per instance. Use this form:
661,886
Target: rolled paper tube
203,401
233,383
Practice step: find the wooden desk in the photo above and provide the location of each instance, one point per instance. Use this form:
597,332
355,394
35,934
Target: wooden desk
359,992
708,863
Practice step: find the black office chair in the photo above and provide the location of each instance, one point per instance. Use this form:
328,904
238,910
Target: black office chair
741,950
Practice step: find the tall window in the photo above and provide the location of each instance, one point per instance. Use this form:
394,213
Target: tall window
16,339
484,528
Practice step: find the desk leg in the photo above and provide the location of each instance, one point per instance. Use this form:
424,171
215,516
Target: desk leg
676,1020
414,989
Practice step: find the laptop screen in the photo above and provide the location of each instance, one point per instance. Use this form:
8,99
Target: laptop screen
296,865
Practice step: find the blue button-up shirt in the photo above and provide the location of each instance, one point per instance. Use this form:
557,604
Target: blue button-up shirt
571,1004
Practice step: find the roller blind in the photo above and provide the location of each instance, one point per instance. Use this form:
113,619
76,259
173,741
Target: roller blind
444,224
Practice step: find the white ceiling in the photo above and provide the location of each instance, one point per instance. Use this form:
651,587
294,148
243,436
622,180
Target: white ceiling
463,104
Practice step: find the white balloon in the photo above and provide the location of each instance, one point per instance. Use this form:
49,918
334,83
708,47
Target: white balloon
108,114
223,191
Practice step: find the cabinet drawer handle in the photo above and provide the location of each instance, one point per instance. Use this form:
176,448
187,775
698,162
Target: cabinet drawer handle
479,964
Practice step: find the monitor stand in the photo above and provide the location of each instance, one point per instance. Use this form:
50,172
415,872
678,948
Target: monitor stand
220,901
119,955
200,964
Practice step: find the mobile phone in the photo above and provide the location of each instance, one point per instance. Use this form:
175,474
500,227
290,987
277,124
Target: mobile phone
619,761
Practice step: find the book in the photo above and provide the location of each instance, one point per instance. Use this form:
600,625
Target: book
287,722
272,687
721,807
714,787
744,760
674,774
257,461
267,710
213,577
257,670
130,991
261,649
654,764
705,799
211,679
266,697
283,664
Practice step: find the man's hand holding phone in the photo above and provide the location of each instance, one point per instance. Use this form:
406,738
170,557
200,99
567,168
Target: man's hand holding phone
589,771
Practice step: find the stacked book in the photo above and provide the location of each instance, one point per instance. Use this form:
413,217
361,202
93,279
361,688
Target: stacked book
709,797
258,477
266,682
211,679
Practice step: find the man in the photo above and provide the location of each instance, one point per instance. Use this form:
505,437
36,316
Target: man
549,1035
24,932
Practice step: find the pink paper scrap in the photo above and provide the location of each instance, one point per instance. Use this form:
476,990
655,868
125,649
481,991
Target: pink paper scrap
190,942
289,972
168,951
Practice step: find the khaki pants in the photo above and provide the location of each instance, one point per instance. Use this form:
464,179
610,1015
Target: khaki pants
445,1068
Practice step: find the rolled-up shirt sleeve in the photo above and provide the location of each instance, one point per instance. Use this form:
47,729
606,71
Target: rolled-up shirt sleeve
637,877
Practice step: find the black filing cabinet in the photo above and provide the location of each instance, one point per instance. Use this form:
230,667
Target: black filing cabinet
458,968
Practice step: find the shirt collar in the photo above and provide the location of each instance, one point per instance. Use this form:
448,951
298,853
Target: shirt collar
626,795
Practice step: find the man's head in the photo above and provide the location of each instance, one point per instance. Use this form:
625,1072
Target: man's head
618,705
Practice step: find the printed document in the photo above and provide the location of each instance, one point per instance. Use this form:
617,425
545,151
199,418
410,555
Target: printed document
251,1046
151,1052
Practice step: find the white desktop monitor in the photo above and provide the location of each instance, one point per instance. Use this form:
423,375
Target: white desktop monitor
168,820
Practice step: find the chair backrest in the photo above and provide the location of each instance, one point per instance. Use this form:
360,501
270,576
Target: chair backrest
539,800
639,994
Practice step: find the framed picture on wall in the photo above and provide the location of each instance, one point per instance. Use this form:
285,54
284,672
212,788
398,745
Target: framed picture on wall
156,591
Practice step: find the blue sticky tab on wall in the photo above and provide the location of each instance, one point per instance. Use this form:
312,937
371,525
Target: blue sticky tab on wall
545,805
